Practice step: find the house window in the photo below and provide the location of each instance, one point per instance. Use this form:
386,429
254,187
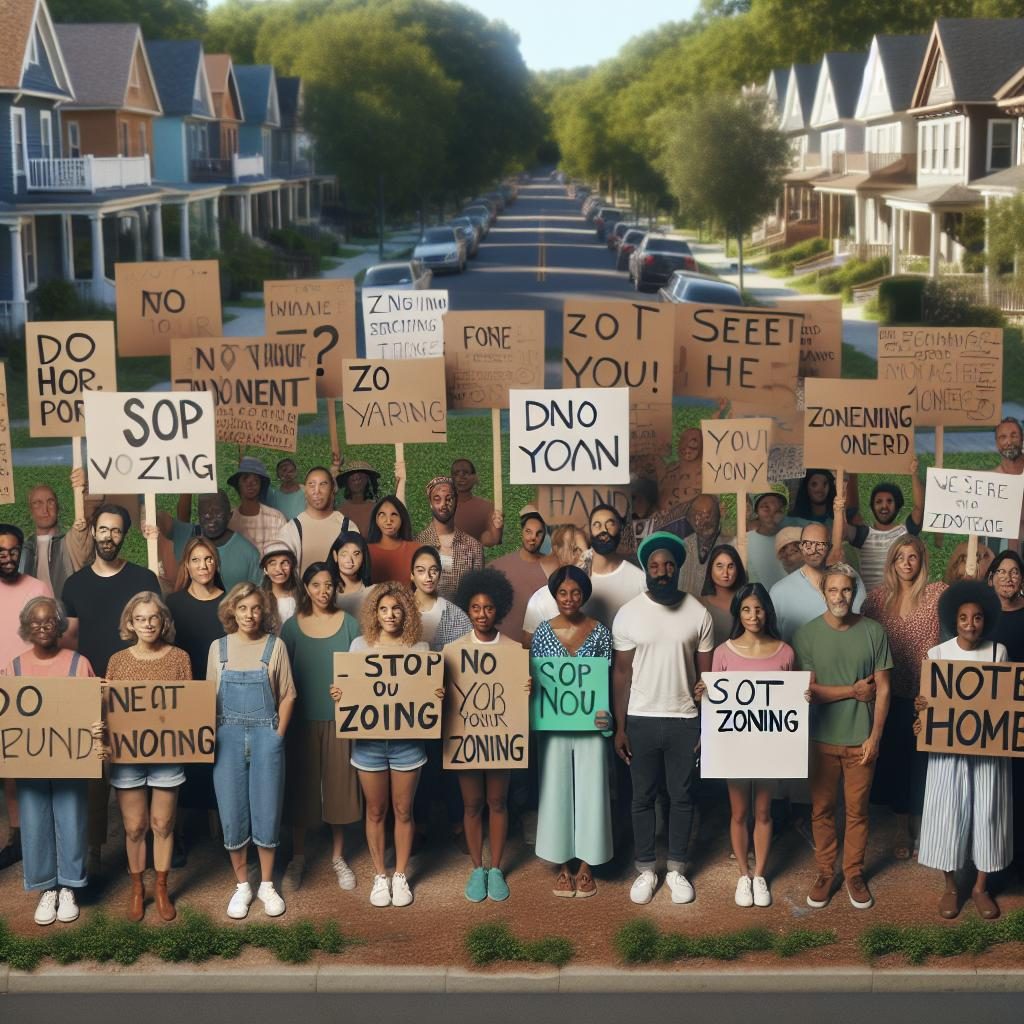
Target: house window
46,134
133,81
934,146
28,252
19,143
922,146
1000,145
74,140
957,129
125,141
941,78
143,141
33,48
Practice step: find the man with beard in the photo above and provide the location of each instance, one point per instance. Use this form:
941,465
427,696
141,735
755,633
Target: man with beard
663,642
475,515
1010,445
850,659
51,555
524,568
312,532
459,552
705,519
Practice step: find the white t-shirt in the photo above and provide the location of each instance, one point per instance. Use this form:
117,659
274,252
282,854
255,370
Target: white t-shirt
665,641
611,591
429,621
950,650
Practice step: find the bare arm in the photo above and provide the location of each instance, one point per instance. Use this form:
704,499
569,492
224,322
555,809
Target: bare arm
284,714
869,751
622,683
917,484
492,536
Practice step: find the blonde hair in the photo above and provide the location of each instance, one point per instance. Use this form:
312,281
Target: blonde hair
127,632
239,592
411,622
890,581
184,578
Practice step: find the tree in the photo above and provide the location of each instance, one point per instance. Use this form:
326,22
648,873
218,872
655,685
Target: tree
159,19
1005,229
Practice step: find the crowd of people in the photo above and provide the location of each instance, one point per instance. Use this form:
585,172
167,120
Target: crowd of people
259,596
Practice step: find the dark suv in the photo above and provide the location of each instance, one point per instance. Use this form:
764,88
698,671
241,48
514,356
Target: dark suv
654,261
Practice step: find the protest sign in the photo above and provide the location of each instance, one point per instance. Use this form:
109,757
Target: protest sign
568,693
161,722
735,455
6,455
821,335
852,425
572,436
401,324
394,401
157,302
558,503
388,694
46,728
650,427
754,725
322,314
733,352
486,707
974,707
972,501
954,373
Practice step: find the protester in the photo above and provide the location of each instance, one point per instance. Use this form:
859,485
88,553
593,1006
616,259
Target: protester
787,551
49,554
255,700
524,568
475,515
15,590
290,498
705,518
255,519
680,482
1010,445
311,533
724,577
815,499
460,553
280,578
442,622
763,566
359,484
350,555
569,546
391,542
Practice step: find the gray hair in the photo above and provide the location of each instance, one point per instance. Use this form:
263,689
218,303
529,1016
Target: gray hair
839,569
25,615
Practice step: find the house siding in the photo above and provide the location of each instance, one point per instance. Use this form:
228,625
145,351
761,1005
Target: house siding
100,132
49,256
144,96
169,150
250,139
32,106
6,291
40,77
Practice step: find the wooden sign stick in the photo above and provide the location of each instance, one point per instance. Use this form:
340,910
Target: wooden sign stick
741,524
840,521
76,463
939,440
149,515
496,446
332,428
971,565
400,469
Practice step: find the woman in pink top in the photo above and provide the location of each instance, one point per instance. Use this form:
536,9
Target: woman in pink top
753,646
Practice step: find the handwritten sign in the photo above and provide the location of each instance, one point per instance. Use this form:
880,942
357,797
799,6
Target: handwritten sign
558,503
400,324
157,302
955,373
974,707
650,427
46,728
63,361
821,335
486,352
572,436
735,454
322,314
161,722
486,707
6,454
754,725
568,693
859,425
388,694
151,443
394,401
972,501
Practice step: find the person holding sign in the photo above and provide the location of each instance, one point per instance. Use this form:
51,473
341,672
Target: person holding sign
968,798
475,515
50,555
460,553
725,576
312,532
255,700
359,484
280,579
254,519
350,556
574,820
390,539
152,658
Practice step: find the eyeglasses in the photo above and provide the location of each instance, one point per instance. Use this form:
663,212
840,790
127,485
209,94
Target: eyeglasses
1007,574
50,623
109,531
815,545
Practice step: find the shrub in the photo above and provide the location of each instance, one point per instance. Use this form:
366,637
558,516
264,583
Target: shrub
900,300
58,299
854,272
918,942
494,943
784,259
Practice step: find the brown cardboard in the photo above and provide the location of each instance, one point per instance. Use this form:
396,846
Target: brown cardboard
561,504
735,455
6,454
161,722
395,401
821,335
650,428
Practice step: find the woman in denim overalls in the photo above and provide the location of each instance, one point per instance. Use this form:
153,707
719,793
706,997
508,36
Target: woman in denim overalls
255,698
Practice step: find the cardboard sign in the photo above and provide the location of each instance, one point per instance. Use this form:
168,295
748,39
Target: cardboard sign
861,426
322,314
151,442
486,707
734,351
157,302
568,693
63,360
402,324
46,728
559,504
161,723
394,401
572,436
650,427
974,707
785,406
6,454
388,693
486,352
971,501
754,725
954,373
821,335
735,455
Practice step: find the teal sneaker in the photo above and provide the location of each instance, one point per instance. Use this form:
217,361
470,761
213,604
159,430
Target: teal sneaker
497,887
476,887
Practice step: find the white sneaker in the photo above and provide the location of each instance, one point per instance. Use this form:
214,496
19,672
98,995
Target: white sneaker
744,892
291,881
67,908
346,876
380,894
762,894
239,905
46,909
401,894
682,891
642,890
273,905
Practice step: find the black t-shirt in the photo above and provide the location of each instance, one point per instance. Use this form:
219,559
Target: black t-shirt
97,602
196,626
1009,631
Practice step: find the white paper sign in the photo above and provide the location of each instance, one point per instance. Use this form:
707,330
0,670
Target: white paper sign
569,436
971,501
151,442
754,725
400,324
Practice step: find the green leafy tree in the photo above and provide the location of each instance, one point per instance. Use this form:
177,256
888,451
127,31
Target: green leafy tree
159,19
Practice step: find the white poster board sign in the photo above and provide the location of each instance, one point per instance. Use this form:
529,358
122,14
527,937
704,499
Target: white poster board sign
754,725
971,501
569,436
400,324
151,442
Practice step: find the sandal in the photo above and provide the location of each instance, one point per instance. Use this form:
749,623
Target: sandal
949,904
585,885
564,885
987,907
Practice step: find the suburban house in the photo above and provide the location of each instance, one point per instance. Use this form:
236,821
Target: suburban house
222,144
294,152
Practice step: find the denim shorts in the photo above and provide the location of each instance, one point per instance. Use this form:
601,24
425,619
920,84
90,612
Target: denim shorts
158,776
382,755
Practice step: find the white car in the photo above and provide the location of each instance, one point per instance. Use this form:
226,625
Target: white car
441,249
408,274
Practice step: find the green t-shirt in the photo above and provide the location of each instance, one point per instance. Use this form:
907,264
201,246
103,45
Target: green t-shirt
839,657
312,659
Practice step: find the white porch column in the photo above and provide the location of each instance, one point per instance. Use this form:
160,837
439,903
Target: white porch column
933,246
987,279
291,204
309,196
894,240
137,235
99,275
253,212
17,264
859,232
185,240
277,208
156,230
67,238
215,222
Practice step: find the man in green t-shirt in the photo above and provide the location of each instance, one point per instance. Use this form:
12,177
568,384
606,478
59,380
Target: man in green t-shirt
850,658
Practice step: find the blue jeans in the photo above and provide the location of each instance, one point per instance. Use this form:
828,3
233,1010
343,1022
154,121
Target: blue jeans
248,778
54,832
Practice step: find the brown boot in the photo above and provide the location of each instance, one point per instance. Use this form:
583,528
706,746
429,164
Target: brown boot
164,906
136,898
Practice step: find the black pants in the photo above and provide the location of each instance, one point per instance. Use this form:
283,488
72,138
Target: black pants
663,748
901,770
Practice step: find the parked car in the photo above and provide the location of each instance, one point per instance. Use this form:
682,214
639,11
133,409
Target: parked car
473,233
686,286
653,262
482,210
616,234
407,274
441,249
630,240
499,200
591,206
480,219
607,217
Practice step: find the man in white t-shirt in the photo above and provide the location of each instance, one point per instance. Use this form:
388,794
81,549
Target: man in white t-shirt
663,642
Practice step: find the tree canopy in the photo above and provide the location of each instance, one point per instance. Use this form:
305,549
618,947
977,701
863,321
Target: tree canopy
159,19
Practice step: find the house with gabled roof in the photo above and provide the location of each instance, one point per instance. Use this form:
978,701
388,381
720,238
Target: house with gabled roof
227,112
